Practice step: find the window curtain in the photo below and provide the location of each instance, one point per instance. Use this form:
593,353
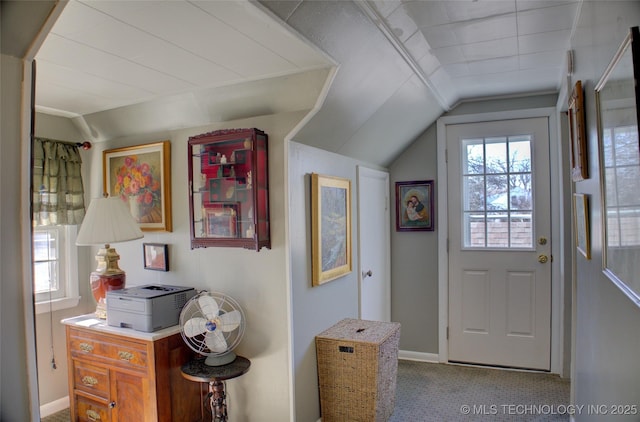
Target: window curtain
58,193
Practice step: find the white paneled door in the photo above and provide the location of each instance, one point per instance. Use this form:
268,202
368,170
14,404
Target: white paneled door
374,243
499,243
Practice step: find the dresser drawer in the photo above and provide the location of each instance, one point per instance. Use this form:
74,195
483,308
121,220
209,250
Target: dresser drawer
106,349
91,379
91,411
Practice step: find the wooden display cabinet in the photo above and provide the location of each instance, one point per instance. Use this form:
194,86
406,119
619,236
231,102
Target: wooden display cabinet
120,375
229,189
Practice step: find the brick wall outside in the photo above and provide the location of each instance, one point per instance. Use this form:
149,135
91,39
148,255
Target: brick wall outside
498,232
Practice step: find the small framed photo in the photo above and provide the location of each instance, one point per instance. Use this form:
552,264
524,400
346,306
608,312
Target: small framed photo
221,220
414,206
156,256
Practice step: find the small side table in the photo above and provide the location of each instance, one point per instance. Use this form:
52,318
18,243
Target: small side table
196,370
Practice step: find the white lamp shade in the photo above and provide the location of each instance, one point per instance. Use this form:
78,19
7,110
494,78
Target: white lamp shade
108,220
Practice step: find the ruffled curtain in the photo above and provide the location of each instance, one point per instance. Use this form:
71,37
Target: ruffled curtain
58,193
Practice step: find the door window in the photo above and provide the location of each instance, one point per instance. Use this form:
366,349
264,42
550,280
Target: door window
497,192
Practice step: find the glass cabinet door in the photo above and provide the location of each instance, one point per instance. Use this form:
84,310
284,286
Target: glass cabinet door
229,194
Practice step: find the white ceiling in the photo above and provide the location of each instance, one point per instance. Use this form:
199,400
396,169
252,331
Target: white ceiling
400,63
106,54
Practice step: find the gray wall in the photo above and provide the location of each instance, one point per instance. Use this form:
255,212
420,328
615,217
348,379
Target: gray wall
17,353
52,383
314,309
607,340
414,255
257,280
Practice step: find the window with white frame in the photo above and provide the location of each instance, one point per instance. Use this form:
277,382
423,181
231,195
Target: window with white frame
55,268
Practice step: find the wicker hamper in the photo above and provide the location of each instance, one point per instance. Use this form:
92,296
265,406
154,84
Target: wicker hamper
357,368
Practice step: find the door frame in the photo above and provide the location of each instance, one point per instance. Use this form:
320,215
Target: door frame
382,175
557,278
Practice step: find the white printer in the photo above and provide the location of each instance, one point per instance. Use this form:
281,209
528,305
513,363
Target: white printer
147,308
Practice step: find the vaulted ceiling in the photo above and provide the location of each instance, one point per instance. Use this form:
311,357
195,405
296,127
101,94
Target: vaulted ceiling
391,67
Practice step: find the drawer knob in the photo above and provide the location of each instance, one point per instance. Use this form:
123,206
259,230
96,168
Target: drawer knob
89,381
92,415
86,347
127,356
112,405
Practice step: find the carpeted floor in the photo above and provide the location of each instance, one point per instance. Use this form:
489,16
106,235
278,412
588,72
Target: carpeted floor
62,416
431,392
428,392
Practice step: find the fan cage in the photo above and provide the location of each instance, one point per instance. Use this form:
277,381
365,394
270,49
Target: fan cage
192,309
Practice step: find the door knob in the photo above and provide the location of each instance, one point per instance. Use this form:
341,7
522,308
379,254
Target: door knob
543,259
367,274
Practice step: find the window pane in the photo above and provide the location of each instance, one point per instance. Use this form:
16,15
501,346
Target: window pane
520,192
497,193
626,146
46,269
520,154
613,231
521,230
629,226
473,160
474,224
627,179
498,230
607,147
473,193
45,273
496,151
43,246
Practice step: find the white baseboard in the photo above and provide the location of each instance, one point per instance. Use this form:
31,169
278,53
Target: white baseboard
55,406
418,356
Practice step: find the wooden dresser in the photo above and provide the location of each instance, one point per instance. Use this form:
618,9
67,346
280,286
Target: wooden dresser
119,374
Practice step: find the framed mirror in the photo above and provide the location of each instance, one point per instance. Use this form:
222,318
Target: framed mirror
617,95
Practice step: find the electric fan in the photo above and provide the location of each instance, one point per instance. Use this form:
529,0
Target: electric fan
212,324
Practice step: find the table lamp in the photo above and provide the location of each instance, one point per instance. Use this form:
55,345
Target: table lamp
107,221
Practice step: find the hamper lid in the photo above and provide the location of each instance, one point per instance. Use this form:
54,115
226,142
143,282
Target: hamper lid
360,330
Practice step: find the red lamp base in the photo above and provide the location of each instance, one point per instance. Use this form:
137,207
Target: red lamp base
100,285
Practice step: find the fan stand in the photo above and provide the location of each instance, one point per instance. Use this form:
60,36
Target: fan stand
217,401
199,371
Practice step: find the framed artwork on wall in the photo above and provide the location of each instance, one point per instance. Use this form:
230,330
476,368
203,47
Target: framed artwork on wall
579,162
581,222
414,206
330,228
141,176
156,256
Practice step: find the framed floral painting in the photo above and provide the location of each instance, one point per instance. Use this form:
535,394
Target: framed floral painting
141,176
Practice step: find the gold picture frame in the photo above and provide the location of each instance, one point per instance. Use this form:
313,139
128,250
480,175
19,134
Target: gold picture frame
330,228
141,176
581,221
579,162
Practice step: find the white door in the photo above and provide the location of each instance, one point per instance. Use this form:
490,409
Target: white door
499,243
374,241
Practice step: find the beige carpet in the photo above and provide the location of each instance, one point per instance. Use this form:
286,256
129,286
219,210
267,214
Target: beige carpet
428,392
